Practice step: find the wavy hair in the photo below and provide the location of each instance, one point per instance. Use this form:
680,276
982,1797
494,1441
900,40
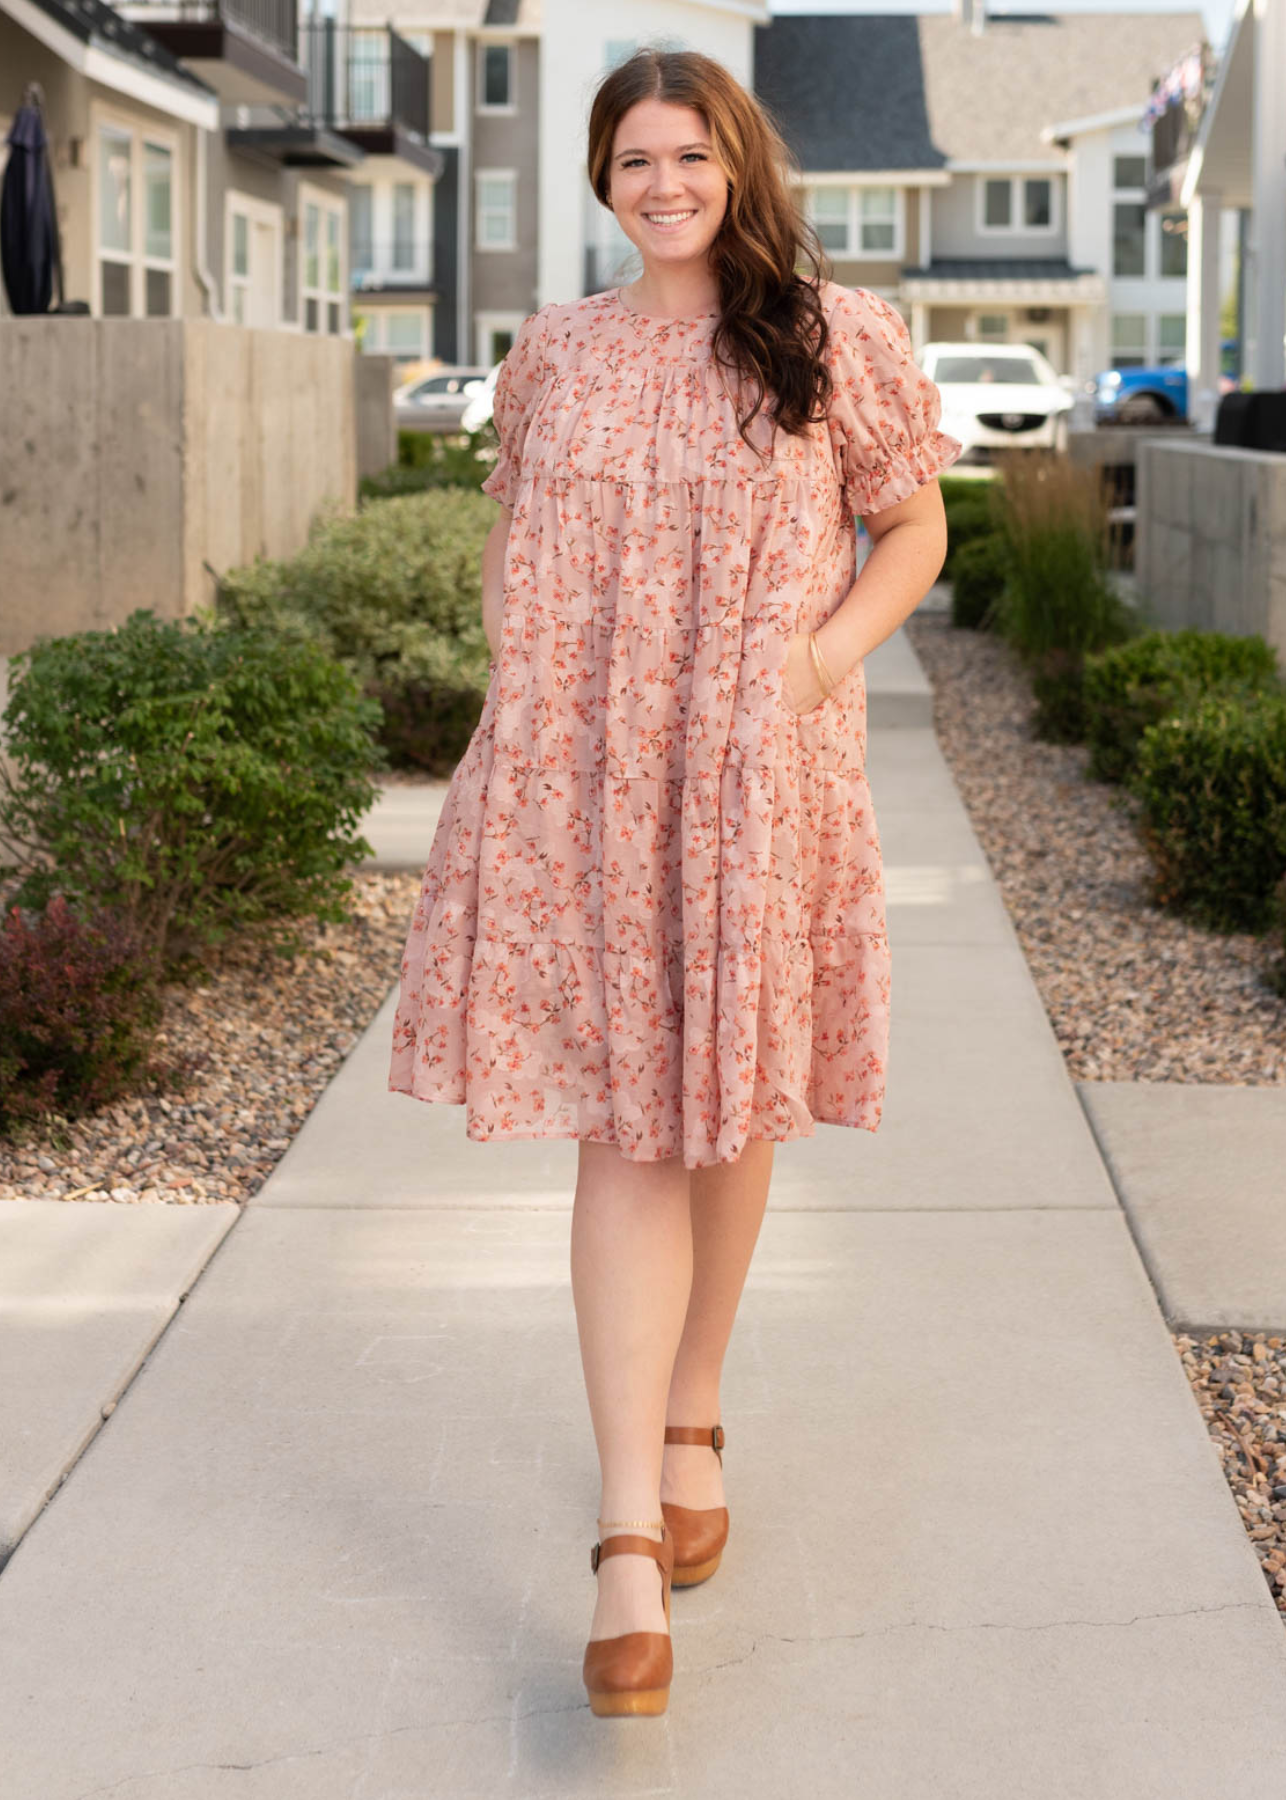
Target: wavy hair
771,329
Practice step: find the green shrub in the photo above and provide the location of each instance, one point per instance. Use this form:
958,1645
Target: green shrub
979,580
969,518
1211,785
80,1006
198,781
394,593
1131,686
430,459
1058,605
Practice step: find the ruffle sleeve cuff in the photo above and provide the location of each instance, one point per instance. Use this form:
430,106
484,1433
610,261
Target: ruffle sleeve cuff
518,384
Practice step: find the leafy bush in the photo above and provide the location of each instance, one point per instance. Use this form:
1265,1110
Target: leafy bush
1133,685
198,781
430,459
1211,785
79,1010
394,593
980,571
1058,605
970,516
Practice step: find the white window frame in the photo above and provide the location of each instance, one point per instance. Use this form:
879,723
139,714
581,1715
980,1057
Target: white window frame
136,257
1016,200
974,323
855,251
484,323
479,92
375,342
479,176
328,204
254,211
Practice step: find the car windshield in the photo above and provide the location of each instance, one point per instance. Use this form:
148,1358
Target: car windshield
1008,370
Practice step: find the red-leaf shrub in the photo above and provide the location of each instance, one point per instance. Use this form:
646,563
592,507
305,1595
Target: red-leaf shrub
80,1005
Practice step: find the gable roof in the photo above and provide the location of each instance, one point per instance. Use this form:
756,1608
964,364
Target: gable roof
847,91
990,93
906,91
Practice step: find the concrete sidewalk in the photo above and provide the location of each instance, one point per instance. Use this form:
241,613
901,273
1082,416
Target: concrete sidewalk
334,1539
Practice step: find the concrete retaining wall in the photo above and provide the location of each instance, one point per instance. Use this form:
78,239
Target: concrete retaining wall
135,452
1210,538
376,423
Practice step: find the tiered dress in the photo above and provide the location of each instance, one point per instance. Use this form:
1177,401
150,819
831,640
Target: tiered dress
653,909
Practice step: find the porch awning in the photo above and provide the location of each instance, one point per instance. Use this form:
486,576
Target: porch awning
1026,281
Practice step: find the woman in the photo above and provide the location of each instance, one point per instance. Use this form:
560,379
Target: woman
653,916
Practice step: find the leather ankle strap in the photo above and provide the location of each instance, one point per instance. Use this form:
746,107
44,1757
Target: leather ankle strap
623,1543
710,1435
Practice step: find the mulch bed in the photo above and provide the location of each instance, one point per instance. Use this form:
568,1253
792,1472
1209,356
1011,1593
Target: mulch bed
264,1033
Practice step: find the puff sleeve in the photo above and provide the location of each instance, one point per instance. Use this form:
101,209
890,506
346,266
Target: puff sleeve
884,410
518,385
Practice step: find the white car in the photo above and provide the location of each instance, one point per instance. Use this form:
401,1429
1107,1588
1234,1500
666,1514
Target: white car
999,396
481,401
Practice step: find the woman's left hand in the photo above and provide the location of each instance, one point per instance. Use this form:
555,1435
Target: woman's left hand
799,678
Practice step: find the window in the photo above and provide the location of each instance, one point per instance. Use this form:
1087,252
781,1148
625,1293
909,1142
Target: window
1129,220
495,192
136,261
251,260
997,204
878,212
1017,203
993,327
1129,171
1172,337
1174,243
361,236
403,225
495,78
322,284
858,221
1038,204
495,332
368,75
1129,340
830,216
400,332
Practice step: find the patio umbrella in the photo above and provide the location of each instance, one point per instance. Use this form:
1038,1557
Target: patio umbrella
30,255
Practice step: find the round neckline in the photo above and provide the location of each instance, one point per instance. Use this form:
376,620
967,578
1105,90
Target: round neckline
661,318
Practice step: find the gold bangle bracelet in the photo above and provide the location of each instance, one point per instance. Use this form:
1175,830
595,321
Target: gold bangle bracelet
823,673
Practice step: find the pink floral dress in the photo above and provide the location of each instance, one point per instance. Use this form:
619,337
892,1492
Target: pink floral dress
653,910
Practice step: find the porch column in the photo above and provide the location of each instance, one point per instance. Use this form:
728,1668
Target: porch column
1269,166
1202,344
919,325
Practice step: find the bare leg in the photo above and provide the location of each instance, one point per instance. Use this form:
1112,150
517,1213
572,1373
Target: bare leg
631,1263
728,1202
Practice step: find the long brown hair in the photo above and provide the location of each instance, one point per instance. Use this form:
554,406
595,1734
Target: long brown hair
771,328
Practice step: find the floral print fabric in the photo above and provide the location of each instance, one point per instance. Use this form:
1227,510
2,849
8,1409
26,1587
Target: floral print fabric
653,909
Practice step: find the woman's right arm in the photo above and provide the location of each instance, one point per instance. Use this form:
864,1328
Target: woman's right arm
493,579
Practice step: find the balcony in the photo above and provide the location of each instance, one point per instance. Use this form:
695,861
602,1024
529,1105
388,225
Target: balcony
372,87
247,50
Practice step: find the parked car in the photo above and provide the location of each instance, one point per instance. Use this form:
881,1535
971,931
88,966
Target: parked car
1140,396
477,412
999,396
436,402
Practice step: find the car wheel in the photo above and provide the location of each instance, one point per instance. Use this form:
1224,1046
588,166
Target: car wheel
1142,409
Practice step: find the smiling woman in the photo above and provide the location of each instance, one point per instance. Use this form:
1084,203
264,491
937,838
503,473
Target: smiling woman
653,913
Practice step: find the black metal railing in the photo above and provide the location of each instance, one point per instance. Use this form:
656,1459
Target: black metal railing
364,76
274,21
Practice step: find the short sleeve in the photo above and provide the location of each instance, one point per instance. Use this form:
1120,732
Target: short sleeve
518,385
884,410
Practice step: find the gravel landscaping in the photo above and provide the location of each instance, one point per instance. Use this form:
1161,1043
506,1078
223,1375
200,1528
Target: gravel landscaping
265,1033
1132,992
